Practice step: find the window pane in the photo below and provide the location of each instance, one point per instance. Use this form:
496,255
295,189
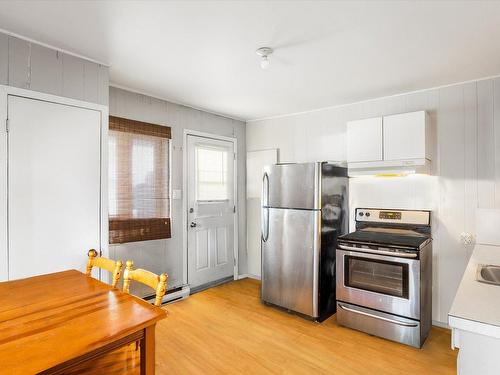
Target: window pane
138,170
143,178
211,173
377,276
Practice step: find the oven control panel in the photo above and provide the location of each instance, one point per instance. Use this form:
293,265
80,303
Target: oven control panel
372,215
390,215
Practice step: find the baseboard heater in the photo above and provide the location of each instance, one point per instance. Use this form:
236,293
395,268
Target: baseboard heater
172,295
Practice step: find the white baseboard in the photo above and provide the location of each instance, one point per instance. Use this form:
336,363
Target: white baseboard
248,276
437,323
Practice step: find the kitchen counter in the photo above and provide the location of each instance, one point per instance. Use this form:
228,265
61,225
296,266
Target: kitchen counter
474,317
477,304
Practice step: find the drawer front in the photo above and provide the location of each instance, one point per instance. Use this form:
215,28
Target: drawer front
395,328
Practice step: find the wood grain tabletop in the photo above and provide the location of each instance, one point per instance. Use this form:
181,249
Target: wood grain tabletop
52,319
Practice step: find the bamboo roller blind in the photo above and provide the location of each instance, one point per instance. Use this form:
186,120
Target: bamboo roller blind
139,202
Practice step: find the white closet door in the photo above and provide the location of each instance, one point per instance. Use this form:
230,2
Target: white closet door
53,186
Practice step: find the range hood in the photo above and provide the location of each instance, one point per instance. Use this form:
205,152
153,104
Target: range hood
389,167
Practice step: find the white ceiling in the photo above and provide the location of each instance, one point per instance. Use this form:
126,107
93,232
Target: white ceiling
326,53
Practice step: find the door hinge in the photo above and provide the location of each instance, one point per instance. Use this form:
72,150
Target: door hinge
234,209
234,155
234,261
7,125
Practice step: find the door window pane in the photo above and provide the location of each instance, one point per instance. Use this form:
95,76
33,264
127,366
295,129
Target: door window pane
377,276
212,173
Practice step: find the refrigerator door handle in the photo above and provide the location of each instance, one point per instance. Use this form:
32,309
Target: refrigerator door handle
265,189
265,224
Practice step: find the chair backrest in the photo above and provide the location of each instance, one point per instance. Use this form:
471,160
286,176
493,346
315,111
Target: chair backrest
158,283
115,267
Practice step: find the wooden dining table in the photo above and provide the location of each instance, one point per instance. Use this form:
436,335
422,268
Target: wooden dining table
65,321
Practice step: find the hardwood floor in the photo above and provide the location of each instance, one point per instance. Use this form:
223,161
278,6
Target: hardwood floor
227,330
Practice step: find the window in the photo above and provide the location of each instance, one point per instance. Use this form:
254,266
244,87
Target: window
139,202
211,173
377,276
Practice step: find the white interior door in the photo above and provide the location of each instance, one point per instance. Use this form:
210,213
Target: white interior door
211,209
256,161
53,186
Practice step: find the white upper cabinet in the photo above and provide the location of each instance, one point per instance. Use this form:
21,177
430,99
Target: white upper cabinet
364,140
397,144
404,136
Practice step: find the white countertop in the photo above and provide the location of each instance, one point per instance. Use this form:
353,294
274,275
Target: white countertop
476,306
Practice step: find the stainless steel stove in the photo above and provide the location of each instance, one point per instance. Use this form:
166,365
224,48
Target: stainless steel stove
384,275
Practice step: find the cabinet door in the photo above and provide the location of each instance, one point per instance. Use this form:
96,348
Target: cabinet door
404,136
364,140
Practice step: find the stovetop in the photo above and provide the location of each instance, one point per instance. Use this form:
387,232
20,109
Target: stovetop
412,240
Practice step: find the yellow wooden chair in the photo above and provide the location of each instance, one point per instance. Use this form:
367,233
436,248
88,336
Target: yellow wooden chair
158,283
115,267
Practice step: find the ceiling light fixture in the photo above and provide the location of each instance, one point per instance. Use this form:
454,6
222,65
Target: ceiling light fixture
264,53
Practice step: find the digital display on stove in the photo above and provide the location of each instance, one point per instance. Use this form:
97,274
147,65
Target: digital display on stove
390,215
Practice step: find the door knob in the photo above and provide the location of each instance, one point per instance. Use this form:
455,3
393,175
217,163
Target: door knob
193,224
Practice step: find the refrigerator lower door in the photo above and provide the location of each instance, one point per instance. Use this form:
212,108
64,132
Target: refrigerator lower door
290,260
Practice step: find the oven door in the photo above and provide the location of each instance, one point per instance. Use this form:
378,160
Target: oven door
381,282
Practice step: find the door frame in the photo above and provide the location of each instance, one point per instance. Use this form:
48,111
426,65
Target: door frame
5,92
188,132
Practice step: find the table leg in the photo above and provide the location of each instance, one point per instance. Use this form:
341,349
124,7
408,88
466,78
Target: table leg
148,351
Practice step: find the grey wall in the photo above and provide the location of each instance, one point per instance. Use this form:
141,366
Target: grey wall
466,166
166,255
31,66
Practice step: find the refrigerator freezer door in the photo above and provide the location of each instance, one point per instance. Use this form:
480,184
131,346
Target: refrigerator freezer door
292,186
290,260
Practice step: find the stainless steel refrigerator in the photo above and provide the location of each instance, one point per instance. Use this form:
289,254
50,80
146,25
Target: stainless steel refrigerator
304,209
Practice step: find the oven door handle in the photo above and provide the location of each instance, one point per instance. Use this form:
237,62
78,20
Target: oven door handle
365,250
394,321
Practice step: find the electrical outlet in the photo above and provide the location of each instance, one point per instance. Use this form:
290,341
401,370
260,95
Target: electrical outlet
467,239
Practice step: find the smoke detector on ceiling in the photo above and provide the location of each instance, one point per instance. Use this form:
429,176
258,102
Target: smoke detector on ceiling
264,53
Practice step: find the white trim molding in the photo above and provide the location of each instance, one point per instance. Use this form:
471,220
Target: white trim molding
50,46
248,276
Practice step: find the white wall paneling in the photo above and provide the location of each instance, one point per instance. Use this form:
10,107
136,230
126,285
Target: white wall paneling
465,132
46,70
19,63
488,223
28,65
452,255
256,161
167,255
74,76
471,161
486,143
90,81
4,59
